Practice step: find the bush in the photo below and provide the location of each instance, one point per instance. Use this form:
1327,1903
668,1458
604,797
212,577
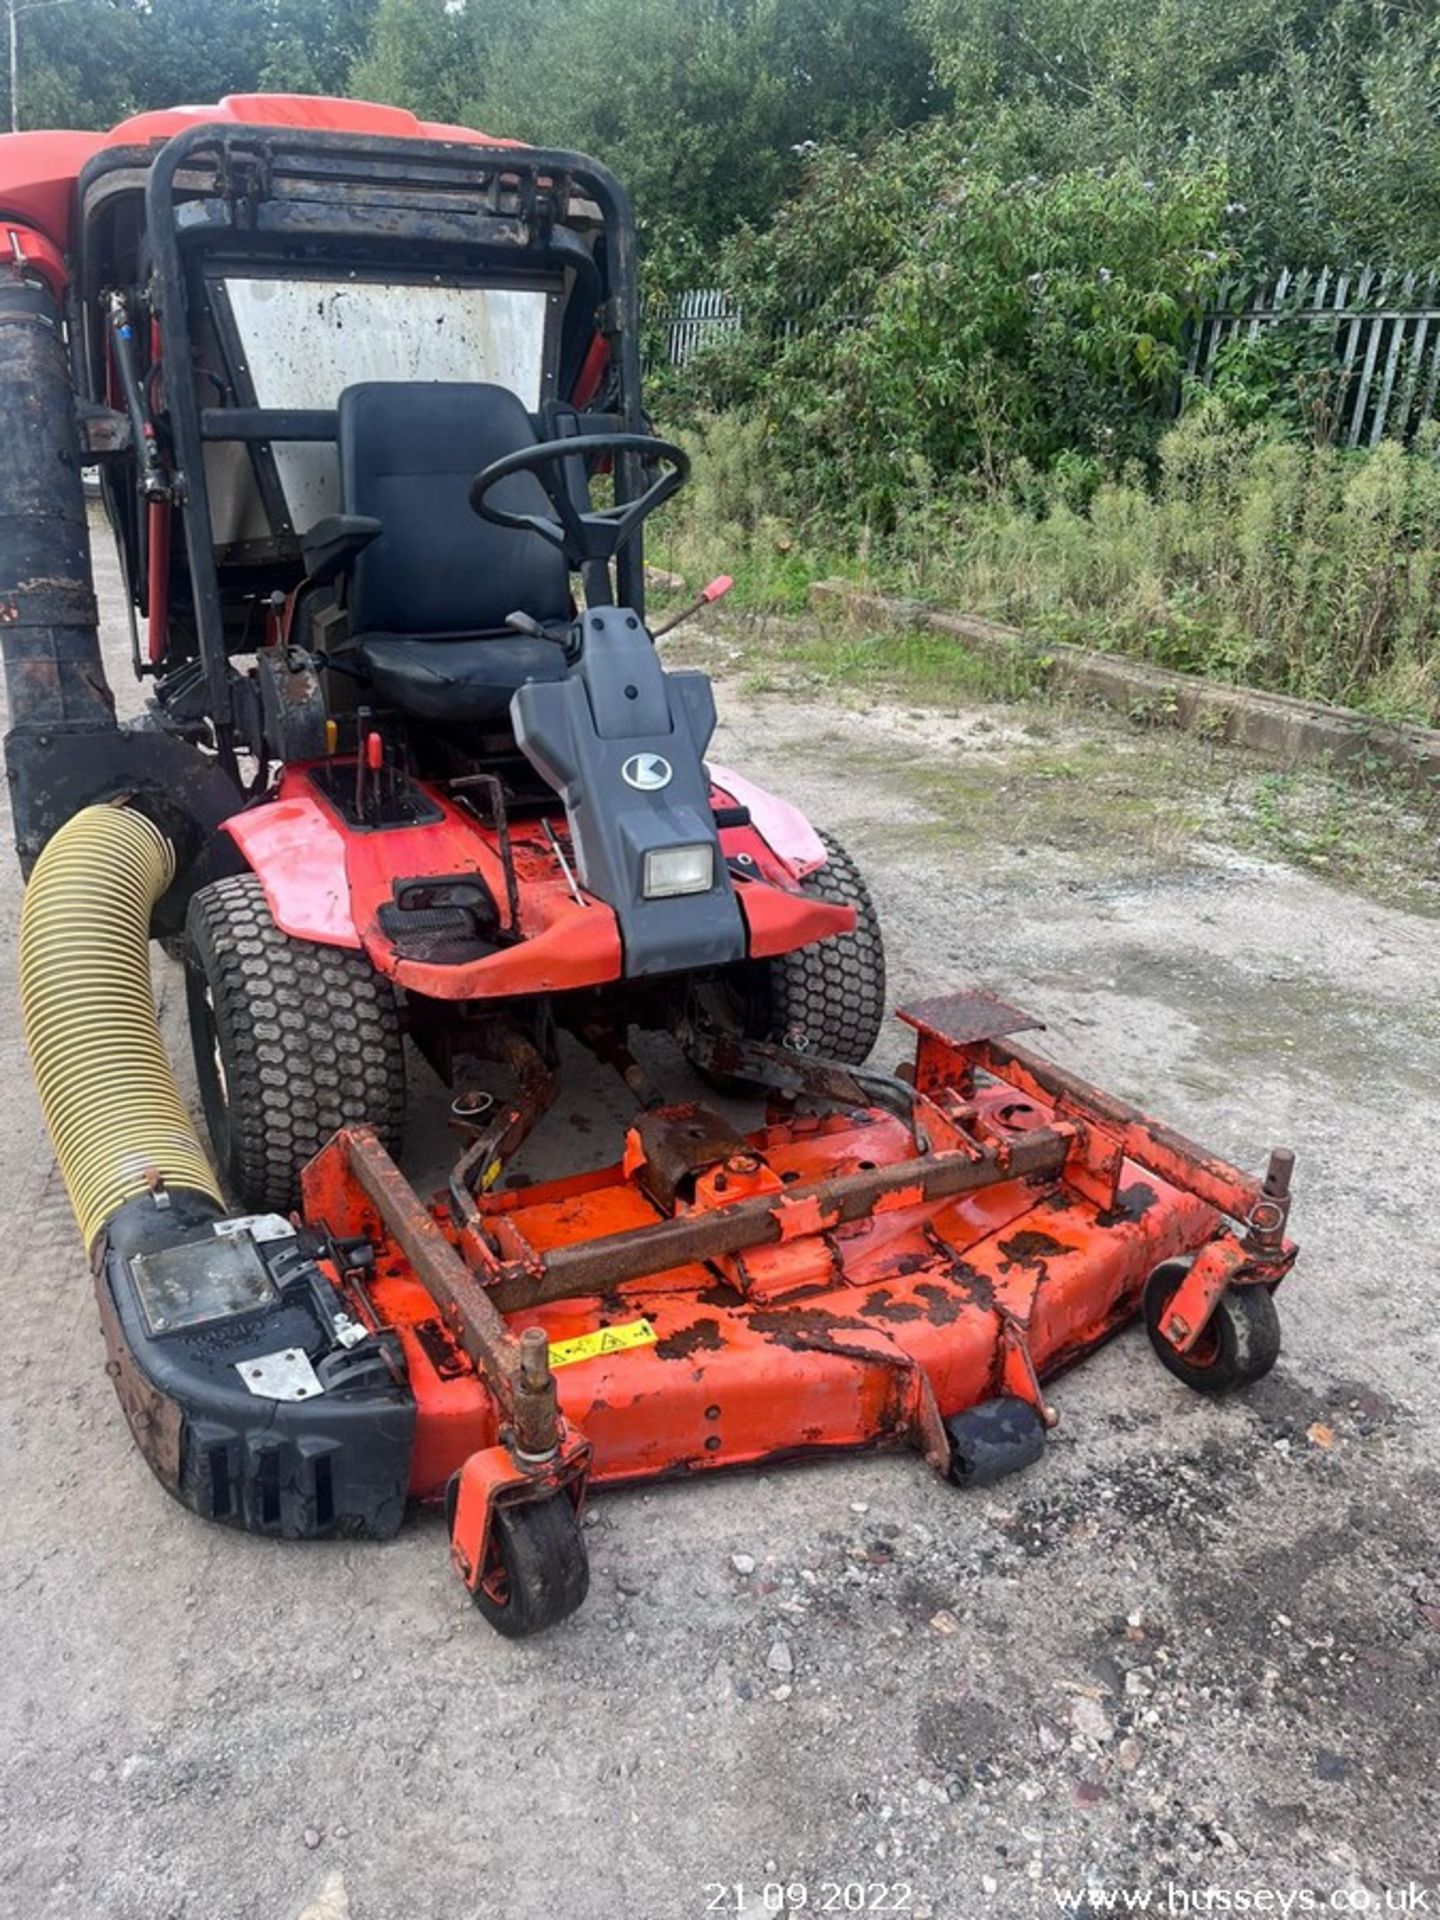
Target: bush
911,323
737,517
1251,557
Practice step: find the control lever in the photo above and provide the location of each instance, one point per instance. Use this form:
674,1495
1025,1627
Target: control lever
564,634
717,589
533,629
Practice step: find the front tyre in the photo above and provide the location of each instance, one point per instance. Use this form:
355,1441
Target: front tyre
292,1041
828,999
832,996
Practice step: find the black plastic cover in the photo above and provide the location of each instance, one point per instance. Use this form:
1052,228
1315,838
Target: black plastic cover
185,1324
623,741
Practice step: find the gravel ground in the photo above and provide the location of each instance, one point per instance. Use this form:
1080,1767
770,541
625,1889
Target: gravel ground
1195,1650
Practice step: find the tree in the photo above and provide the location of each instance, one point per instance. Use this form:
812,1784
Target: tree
698,105
677,99
425,55
1153,62
76,62
89,63
1324,113
198,49
313,45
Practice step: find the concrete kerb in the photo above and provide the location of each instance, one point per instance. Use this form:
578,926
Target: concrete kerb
1283,728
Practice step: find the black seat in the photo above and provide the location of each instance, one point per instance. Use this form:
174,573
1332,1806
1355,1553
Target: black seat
428,596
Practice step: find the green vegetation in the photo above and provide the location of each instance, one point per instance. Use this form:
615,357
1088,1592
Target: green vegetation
1250,557
87,63
961,364
969,238
698,105
1320,115
958,324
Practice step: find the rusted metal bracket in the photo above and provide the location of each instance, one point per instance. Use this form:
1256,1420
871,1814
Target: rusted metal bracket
1216,1267
1260,1257
670,1148
799,1076
493,787
1157,1148
517,1371
493,1478
596,1266
1265,1224
482,1162
959,1038
1017,1369
963,1019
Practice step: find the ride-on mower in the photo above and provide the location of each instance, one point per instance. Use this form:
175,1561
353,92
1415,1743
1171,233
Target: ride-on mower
364,396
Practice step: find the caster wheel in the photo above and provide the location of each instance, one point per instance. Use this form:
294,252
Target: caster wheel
1240,1342
993,1439
540,1569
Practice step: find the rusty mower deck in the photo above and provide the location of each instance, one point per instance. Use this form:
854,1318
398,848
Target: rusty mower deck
904,1270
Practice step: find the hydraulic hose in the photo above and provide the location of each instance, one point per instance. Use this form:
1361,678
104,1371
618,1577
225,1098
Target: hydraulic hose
119,1127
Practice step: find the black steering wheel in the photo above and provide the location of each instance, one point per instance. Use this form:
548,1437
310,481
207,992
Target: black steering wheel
598,534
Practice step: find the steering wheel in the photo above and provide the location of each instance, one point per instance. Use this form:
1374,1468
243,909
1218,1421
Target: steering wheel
598,534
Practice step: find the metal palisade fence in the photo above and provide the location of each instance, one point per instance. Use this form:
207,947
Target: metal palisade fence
1370,339
1373,338
688,322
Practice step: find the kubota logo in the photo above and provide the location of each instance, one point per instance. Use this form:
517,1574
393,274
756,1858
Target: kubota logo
647,771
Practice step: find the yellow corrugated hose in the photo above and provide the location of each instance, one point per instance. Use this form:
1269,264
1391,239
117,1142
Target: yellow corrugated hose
114,1112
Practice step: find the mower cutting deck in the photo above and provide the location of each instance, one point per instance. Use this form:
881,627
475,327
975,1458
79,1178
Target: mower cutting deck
365,396
856,1275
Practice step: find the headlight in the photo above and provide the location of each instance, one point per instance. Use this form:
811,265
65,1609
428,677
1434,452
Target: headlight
672,870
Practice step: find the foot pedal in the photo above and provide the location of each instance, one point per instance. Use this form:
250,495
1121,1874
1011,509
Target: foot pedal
438,936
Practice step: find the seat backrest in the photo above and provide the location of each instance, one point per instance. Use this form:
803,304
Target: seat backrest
408,452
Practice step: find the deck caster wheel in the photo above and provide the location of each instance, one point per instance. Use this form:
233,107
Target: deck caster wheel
540,1569
993,1439
1240,1342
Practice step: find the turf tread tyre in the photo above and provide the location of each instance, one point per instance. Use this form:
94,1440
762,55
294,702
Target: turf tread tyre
308,1038
833,994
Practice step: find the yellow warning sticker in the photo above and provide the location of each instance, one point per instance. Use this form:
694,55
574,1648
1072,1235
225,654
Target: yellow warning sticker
586,1346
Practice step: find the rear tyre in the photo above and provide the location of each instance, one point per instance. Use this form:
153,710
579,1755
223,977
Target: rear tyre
1238,1344
829,999
543,1569
291,1041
